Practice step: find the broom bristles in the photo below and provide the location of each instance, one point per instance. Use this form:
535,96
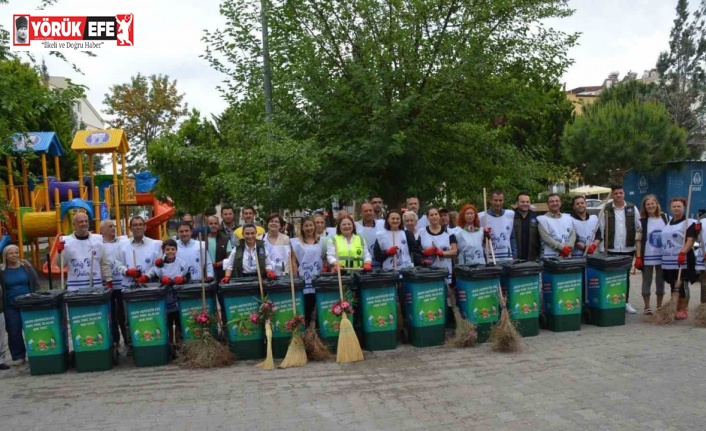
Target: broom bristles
316,349
465,335
206,352
700,316
296,353
667,313
504,336
348,346
269,362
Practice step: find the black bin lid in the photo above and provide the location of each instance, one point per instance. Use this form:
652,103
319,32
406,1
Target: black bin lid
96,295
609,263
564,266
329,281
420,273
477,272
41,299
518,268
281,284
194,287
242,285
145,292
376,278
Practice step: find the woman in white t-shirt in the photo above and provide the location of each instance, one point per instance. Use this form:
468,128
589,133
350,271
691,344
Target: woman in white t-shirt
277,244
648,249
470,237
307,252
438,244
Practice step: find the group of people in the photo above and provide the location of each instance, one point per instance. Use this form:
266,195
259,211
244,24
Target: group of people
390,240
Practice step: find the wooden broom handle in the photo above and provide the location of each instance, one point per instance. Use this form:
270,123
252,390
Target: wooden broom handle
291,282
485,219
259,276
394,258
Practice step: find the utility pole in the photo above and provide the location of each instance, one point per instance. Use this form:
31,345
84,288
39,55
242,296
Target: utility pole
266,62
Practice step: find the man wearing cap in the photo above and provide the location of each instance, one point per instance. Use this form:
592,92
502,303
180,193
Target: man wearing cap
21,26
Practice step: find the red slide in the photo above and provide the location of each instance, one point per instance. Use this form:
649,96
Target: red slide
163,211
52,259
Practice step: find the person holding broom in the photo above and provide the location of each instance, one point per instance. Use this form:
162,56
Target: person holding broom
677,252
242,260
394,247
348,249
307,252
648,249
501,223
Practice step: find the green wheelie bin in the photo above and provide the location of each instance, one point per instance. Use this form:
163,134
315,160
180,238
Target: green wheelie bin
562,285
240,298
147,322
521,281
190,302
477,296
424,291
44,325
326,285
606,282
279,292
378,300
89,321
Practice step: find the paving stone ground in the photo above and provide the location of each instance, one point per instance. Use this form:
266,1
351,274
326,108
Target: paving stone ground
634,377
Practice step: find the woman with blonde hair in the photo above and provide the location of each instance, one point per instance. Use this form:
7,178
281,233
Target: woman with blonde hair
648,249
16,279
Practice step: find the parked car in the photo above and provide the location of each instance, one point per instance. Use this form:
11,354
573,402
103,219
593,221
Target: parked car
594,206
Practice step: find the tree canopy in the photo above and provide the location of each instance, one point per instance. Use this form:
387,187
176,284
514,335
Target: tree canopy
427,97
146,107
612,137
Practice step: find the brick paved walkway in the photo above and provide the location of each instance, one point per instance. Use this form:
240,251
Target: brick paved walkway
635,377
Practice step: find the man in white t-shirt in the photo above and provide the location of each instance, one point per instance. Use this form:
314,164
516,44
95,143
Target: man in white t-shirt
556,230
501,223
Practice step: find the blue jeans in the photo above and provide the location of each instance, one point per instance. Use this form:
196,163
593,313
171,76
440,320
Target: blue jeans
13,325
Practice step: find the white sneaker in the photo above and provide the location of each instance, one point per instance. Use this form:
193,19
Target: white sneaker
629,308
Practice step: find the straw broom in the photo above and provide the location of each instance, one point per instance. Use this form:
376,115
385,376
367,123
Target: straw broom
666,314
348,346
269,362
316,349
206,352
466,334
503,335
700,316
296,352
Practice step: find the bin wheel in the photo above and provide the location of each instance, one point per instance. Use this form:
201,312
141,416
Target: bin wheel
404,336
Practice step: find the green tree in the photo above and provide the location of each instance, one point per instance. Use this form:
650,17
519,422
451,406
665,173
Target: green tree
613,137
435,98
27,104
185,160
146,108
683,77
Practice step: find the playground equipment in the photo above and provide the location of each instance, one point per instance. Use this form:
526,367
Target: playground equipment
35,216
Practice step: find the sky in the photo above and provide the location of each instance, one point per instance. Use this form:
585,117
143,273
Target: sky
622,35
